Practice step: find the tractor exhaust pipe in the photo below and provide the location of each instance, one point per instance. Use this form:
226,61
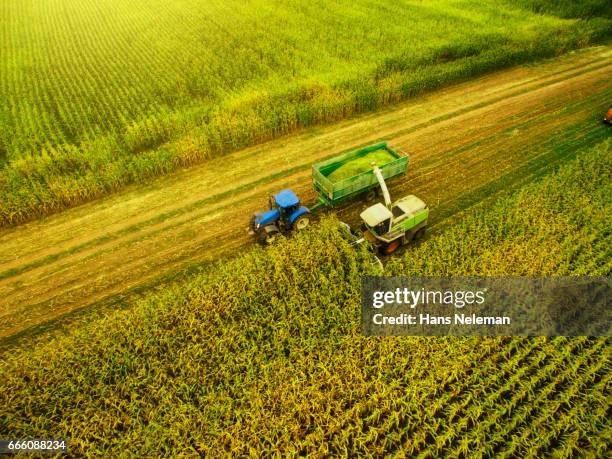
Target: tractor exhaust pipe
383,185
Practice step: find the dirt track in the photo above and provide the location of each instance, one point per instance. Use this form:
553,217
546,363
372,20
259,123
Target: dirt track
465,142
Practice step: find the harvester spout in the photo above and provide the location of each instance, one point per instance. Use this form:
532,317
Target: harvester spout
383,186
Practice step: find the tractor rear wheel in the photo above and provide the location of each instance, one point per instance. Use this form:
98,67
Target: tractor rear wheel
392,246
301,222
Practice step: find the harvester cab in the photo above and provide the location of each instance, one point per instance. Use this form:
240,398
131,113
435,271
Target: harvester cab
285,214
388,226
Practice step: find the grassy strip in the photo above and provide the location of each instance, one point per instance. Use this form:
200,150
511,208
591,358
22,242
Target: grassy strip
66,175
242,358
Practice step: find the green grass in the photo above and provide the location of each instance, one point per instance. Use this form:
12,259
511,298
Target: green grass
263,354
569,8
97,95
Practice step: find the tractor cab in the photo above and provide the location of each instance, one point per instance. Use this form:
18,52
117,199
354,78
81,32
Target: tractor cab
285,213
287,203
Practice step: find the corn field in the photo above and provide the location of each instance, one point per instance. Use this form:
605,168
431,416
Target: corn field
262,354
97,95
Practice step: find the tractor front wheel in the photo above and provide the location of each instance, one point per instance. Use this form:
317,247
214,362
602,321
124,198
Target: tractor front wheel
267,235
301,222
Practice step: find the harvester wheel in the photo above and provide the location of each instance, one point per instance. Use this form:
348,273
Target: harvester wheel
301,222
419,234
392,246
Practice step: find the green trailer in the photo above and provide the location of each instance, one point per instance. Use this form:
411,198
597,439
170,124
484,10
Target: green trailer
347,176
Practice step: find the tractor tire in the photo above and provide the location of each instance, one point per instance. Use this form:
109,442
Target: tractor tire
419,234
267,235
301,222
392,246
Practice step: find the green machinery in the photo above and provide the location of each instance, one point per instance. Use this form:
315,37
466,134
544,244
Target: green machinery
392,224
386,226
361,172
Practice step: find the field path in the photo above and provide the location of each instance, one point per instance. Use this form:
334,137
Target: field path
466,142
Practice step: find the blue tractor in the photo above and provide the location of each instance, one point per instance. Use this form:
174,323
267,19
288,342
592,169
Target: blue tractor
285,214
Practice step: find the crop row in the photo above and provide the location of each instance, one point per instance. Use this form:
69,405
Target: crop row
262,354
